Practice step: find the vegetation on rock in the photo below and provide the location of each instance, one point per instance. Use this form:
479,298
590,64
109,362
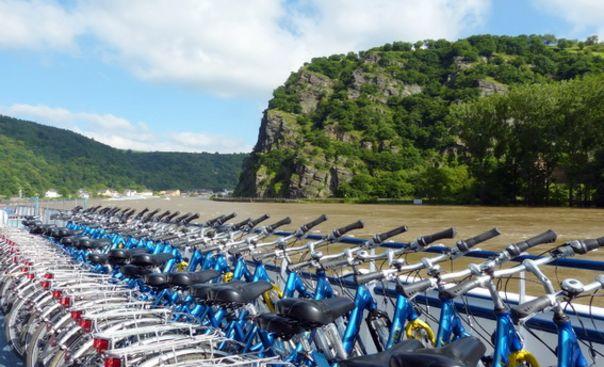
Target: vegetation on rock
454,122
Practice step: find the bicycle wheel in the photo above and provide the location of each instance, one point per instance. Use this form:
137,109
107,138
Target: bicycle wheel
11,325
38,341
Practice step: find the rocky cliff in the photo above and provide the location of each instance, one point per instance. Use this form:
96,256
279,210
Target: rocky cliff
382,114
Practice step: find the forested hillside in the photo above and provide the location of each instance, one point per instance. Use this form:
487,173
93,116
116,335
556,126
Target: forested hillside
485,119
35,158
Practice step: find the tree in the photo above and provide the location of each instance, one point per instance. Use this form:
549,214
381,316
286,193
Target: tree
592,40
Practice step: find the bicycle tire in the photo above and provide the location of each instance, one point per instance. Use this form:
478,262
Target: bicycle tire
32,352
9,325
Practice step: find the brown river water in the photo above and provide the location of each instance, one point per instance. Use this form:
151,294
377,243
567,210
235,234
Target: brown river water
515,223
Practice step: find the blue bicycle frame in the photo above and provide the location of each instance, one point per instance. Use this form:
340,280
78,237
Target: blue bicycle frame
450,326
404,312
505,339
569,352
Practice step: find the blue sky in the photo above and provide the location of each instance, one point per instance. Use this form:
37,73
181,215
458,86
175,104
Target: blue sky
195,75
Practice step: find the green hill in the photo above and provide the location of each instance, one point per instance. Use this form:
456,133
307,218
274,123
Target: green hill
35,158
386,123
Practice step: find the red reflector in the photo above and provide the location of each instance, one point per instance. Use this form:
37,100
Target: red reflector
112,362
76,315
66,301
57,294
86,325
45,284
30,276
100,345
49,276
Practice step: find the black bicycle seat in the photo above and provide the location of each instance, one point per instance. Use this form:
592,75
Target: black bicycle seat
464,352
285,328
238,292
314,313
98,259
150,259
134,271
187,279
383,358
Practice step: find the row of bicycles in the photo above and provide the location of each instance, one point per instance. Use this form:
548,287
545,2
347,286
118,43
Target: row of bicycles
114,287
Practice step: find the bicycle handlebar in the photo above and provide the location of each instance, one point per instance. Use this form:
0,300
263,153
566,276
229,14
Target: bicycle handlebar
584,246
528,308
428,239
516,249
254,222
271,227
366,278
308,226
461,288
466,245
337,233
379,238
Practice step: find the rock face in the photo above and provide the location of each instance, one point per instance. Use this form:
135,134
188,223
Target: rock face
339,117
488,87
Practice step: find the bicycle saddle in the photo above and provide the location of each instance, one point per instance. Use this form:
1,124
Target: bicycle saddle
98,259
464,352
312,313
187,279
237,292
383,358
284,327
67,241
81,243
157,280
200,291
150,259
95,244
134,271
122,256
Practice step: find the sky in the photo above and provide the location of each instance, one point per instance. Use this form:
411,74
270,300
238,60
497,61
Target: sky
196,75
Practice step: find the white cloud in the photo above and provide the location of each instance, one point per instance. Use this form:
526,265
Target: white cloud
124,134
229,47
583,15
36,24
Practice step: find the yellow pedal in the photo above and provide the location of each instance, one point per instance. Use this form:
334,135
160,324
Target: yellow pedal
522,358
420,330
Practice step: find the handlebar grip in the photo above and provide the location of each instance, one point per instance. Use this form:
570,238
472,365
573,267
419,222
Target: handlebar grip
236,226
227,217
465,245
343,230
163,216
447,233
254,222
366,278
150,215
285,221
169,218
516,249
141,213
211,222
191,218
461,288
412,289
590,245
531,307
379,238
306,227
